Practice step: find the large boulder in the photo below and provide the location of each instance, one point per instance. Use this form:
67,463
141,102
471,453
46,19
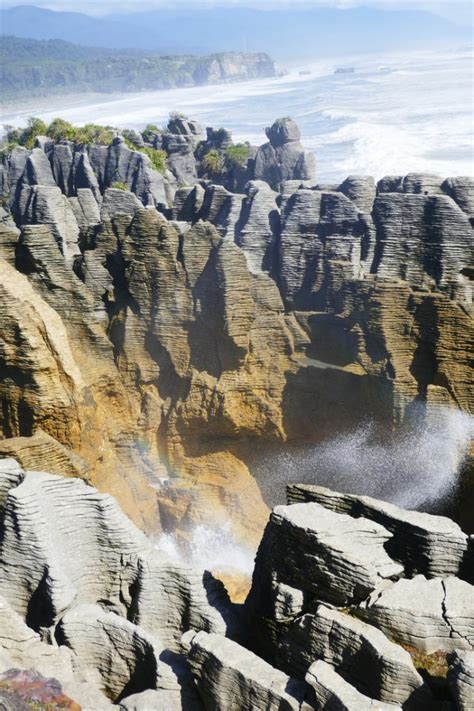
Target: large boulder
284,158
307,554
430,545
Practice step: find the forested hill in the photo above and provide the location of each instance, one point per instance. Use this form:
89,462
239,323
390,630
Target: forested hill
42,67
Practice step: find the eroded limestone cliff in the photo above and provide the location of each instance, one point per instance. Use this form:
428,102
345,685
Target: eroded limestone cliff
156,338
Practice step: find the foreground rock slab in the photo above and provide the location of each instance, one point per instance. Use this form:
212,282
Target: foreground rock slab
333,693
430,615
434,546
229,677
365,657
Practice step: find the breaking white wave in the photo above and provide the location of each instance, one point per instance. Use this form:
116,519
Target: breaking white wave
395,114
210,548
414,469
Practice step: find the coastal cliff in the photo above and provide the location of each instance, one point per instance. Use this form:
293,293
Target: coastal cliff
44,68
164,328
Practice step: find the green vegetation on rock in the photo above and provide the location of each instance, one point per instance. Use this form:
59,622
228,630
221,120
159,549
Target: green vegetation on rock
212,162
238,155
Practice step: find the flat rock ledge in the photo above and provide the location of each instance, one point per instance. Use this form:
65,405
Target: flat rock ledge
93,617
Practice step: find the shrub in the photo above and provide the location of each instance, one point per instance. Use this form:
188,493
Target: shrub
92,133
157,157
26,137
237,156
119,186
60,130
212,162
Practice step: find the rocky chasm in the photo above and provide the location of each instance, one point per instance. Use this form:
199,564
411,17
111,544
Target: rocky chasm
164,332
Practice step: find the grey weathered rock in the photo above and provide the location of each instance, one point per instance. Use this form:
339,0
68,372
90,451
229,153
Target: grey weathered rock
15,169
40,580
283,158
121,656
461,679
11,475
188,203
258,225
118,163
422,183
86,210
78,571
38,170
161,699
361,190
222,208
333,693
434,546
425,240
181,160
430,615
229,677
320,233
119,202
21,647
390,184
40,205
184,126
363,655
461,189
328,556
62,163
84,176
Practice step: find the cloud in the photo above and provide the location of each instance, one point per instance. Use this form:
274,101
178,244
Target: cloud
455,10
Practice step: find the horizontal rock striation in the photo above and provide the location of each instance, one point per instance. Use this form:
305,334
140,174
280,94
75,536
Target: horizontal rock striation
461,679
431,615
361,653
228,676
429,545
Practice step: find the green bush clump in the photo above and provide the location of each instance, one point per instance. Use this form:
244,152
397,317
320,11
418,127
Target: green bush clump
26,136
237,155
119,186
92,133
60,130
212,162
157,157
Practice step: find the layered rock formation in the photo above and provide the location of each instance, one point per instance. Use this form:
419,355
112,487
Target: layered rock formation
92,616
164,335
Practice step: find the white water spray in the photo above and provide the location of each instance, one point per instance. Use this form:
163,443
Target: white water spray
413,469
210,548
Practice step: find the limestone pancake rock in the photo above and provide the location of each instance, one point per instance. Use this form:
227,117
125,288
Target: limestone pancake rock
91,611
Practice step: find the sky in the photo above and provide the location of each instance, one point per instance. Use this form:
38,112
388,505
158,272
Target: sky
460,11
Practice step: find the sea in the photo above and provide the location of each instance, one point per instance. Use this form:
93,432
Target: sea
374,114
